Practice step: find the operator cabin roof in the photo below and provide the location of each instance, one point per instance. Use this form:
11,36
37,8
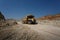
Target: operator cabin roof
30,16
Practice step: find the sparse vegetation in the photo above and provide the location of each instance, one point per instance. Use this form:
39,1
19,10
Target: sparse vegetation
4,23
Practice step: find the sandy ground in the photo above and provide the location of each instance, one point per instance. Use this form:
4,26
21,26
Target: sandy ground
30,32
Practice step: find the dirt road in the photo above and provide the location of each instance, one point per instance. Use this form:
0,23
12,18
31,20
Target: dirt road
30,32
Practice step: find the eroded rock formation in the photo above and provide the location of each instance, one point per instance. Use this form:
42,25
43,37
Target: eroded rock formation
2,17
50,17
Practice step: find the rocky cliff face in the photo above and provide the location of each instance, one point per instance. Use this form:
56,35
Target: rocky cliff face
2,16
2,20
50,17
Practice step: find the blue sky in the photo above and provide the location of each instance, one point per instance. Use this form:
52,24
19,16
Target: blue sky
20,8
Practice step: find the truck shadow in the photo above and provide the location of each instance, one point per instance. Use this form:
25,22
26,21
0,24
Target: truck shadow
33,24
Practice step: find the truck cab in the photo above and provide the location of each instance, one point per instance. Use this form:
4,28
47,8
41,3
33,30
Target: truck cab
29,20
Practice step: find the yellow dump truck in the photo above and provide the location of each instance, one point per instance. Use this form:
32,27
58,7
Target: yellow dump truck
29,20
